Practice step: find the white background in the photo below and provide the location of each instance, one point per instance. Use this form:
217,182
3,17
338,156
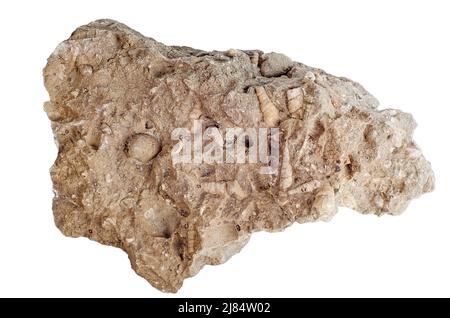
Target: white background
399,50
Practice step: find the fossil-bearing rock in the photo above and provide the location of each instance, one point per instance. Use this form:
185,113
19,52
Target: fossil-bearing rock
117,96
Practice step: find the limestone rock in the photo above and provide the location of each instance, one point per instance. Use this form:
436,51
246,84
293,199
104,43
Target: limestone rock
116,100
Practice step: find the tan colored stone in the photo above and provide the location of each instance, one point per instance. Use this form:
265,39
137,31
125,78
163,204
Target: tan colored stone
117,96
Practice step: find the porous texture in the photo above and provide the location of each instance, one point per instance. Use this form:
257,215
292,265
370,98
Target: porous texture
115,98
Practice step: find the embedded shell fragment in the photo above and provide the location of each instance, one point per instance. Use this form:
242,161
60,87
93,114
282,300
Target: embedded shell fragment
117,96
143,147
270,113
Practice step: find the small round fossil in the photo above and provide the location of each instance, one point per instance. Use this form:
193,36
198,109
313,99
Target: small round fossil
143,147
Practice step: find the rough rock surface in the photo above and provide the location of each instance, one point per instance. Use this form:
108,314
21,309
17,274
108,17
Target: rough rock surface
115,98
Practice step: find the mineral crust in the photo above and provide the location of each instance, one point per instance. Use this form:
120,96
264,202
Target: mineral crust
116,98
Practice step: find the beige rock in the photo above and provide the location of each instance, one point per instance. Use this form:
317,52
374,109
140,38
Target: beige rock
116,97
275,64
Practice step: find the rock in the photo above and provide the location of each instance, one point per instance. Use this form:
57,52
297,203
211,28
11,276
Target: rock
275,64
147,135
